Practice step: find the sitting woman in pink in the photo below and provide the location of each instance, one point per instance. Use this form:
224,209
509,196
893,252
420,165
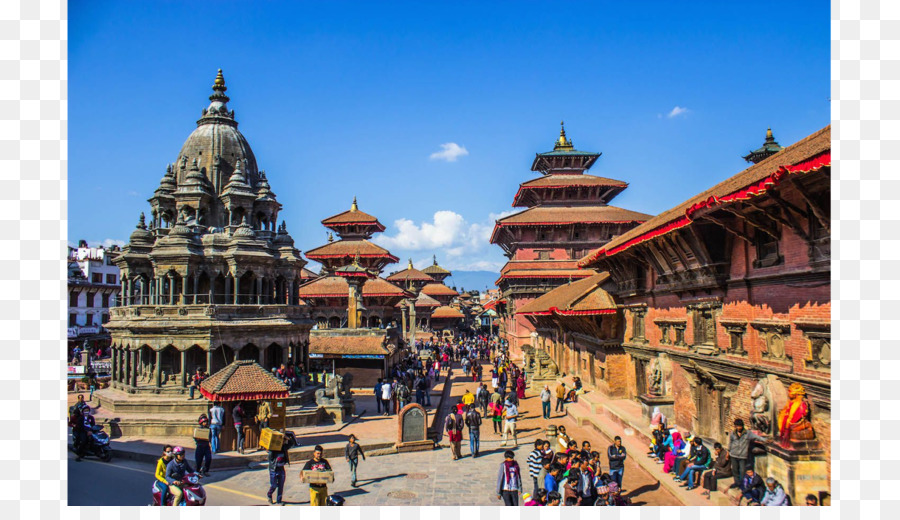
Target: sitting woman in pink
677,450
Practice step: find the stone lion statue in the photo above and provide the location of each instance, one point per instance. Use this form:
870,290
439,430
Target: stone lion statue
336,390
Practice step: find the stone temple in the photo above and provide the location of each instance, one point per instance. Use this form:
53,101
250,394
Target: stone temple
212,277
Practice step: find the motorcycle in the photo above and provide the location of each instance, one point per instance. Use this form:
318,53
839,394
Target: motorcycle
193,492
98,444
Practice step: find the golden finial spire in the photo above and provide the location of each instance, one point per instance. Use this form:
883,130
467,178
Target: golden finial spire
769,133
330,238
410,263
356,259
562,143
435,259
354,207
220,80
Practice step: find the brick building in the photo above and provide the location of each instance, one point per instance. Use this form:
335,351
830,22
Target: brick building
725,306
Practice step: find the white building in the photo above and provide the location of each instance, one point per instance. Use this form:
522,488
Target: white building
93,284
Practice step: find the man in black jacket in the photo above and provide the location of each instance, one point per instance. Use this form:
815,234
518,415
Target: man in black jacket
752,488
616,454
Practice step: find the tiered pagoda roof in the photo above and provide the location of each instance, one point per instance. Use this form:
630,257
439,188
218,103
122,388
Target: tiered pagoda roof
354,223
437,272
410,274
337,287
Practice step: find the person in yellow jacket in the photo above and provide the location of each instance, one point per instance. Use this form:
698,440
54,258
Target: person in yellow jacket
468,398
160,482
561,397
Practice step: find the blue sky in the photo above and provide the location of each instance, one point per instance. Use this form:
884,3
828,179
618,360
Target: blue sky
360,98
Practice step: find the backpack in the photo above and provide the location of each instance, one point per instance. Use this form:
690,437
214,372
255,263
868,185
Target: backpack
403,392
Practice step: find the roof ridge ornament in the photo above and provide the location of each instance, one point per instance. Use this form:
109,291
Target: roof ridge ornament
219,89
142,222
354,207
410,264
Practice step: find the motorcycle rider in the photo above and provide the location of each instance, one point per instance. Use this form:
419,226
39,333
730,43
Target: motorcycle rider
176,469
160,482
81,430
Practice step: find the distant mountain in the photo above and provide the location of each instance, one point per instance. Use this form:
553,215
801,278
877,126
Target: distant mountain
472,280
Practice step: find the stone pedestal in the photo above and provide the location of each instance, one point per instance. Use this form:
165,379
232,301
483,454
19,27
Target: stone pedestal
801,470
665,404
340,413
538,382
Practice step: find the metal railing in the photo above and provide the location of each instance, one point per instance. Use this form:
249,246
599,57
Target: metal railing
199,299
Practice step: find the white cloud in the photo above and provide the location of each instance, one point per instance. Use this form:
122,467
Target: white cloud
109,242
450,152
677,111
458,244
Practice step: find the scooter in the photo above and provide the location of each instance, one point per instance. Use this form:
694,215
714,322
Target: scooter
98,444
193,492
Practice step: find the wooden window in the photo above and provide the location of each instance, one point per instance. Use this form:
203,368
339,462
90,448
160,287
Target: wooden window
766,251
111,279
96,278
704,327
73,299
637,324
73,319
104,301
543,255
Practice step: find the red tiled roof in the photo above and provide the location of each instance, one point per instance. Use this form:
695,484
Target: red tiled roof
350,217
578,298
336,287
409,274
243,380
554,181
810,154
347,345
345,248
438,289
306,274
446,312
565,215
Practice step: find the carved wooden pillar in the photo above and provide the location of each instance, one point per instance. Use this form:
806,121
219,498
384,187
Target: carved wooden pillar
237,288
158,371
171,289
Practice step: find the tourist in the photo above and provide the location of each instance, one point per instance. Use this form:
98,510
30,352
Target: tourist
554,476
161,484
658,440
546,396
698,460
545,470
509,480
277,461
615,496
202,451
483,397
263,414
196,379
520,387
237,416
468,398
386,398
495,379
428,384
677,448
721,469
402,395
496,413
739,450
812,500
351,453
538,499
509,426
774,495
317,492
216,422
570,489
561,397
616,455
752,487
562,438
473,422
453,425
535,463
586,483
377,394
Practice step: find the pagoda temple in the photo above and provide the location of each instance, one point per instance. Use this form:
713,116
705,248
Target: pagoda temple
212,278
354,308
568,215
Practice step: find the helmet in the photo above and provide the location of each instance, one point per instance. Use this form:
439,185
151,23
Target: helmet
177,450
334,500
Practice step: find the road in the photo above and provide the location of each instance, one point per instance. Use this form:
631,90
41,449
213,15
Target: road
127,483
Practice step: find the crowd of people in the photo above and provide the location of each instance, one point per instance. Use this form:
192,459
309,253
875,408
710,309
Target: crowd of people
691,463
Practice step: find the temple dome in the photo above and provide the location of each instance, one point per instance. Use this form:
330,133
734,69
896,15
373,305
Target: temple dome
217,135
